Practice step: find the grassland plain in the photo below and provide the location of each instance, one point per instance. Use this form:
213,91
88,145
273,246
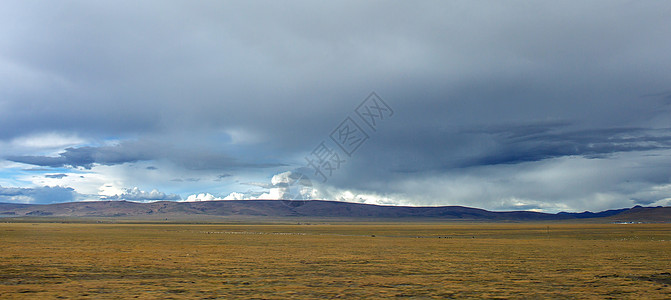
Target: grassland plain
340,260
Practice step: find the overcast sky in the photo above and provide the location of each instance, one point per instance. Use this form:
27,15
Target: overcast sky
502,105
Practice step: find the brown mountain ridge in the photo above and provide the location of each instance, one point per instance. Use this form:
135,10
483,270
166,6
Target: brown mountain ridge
264,209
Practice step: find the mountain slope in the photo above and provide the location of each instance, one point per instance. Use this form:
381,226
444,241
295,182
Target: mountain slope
311,208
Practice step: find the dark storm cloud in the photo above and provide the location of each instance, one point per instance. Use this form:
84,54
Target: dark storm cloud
134,151
56,176
400,155
222,176
38,195
288,76
214,86
534,143
86,157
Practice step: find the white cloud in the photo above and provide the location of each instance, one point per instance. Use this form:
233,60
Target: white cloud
235,196
292,186
561,184
364,197
47,140
43,143
99,181
281,178
110,189
201,197
135,194
283,186
274,194
662,202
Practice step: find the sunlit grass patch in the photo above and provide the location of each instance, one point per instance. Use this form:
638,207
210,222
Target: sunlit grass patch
110,261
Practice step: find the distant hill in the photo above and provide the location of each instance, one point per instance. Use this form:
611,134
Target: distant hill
644,214
311,209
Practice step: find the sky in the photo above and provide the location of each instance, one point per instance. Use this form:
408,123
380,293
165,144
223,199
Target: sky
503,105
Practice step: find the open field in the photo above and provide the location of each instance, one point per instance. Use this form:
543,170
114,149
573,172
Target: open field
340,260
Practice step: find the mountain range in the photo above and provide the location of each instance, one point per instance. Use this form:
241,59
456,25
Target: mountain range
316,209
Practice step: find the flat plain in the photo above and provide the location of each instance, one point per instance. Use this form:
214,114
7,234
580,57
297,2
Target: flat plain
336,260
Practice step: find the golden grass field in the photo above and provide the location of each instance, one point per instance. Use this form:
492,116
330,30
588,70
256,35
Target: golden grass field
339,260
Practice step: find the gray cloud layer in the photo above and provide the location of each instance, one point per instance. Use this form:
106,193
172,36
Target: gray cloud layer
236,87
129,152
39,195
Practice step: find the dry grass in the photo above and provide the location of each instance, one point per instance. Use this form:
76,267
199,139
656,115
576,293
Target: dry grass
163,261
